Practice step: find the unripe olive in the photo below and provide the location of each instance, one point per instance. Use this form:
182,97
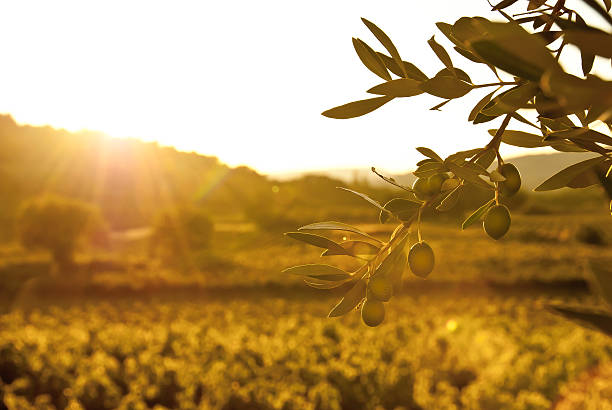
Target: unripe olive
421,188
380,288
421,259
435,182
512,183
497,221
373,312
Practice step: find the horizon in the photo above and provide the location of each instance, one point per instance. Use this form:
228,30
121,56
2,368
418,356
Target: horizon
281,175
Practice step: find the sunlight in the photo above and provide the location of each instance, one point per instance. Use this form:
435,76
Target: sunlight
200,77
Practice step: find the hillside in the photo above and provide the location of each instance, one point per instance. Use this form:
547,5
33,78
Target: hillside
131,180
128,178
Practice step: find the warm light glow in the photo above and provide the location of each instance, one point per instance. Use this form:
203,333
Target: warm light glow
244,81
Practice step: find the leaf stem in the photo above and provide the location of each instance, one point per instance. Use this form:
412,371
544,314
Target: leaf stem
496,140
391,181
502,83
533,11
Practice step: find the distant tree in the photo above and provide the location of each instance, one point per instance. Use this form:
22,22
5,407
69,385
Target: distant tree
179,233
562,110
56,224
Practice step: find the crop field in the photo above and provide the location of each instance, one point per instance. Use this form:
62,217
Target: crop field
476,335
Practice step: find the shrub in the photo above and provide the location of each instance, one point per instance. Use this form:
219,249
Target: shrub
56,224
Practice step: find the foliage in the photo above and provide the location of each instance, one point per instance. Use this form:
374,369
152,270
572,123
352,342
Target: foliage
453,351
179,234
56,224
539,86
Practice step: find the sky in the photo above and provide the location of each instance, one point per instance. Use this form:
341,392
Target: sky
241,80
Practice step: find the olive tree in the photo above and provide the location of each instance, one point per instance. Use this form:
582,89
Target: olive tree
564,109
56,224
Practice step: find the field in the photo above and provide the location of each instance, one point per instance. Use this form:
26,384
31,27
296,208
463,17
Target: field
242,335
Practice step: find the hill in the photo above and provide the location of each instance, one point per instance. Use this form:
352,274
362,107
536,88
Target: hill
131,180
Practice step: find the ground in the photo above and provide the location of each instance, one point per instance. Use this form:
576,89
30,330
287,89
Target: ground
475,335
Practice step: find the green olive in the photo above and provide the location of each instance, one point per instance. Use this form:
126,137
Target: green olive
512,183
373,312
421,259
497,221
421,188
425,188
380,288
435,182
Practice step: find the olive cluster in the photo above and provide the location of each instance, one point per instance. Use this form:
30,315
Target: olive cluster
421,258
380,287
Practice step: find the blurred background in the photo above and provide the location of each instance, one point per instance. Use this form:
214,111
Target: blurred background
140,263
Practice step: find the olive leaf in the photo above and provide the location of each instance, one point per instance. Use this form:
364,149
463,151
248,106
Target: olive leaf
592,318
480,105
450,200
534,4
565,176
364,196
454,72
336,226
469,174
403,87
412,71
321,272
440,52
389,263
386,42
514,50
370,59
587,59
521,138
425,161
512,100
350,300
397,271
595,111
428,169
355,248
356,108
429,153
581,133
318,241
447,30
486,158
481,118
438,106
313,283
402,209
446,87
469,55
461,156
477,214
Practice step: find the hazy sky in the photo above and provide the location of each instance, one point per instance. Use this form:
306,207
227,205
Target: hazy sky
245,81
